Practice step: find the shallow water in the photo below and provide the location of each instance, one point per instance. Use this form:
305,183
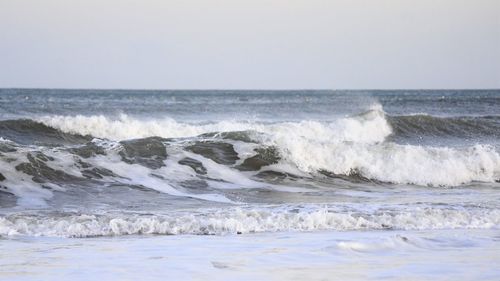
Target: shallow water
365,255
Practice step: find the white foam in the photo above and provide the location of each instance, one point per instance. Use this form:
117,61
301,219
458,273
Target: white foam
239,220
351,144
160,179
31,194
368,127
28,192
396,163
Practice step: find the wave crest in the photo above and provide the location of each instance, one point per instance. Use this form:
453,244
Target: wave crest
370,126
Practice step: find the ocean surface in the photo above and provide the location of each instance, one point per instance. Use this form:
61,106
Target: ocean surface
249,185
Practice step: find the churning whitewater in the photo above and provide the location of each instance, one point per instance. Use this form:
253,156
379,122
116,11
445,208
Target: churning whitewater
119,173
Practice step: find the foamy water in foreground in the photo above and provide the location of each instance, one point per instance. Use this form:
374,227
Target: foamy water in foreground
366,255
254,185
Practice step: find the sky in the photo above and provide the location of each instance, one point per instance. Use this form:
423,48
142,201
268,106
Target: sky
239,44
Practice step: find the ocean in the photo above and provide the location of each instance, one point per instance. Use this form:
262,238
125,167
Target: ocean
253,185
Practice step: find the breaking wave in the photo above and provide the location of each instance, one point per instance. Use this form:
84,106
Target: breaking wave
197,161
240,221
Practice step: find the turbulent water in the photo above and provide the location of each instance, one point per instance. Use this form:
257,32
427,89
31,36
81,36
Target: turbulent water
89,163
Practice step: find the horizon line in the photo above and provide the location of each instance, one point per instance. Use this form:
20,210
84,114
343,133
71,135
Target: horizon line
251,89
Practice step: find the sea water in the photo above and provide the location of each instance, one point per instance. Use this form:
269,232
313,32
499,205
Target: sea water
254,185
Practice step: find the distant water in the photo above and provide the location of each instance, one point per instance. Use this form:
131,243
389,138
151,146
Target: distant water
376,177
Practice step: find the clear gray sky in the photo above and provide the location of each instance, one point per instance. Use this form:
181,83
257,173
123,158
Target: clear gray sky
239,44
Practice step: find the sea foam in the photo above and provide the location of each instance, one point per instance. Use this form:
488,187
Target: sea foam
245,220
351,145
